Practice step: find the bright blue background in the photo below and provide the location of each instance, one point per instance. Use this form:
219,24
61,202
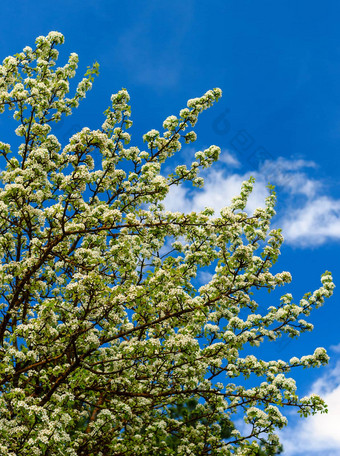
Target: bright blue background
278,64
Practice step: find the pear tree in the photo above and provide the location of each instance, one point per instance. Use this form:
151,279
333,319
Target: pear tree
104,327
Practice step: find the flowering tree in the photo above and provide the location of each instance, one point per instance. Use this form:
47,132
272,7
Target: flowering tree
103,328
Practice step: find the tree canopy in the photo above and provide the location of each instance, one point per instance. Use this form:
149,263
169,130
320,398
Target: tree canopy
105,329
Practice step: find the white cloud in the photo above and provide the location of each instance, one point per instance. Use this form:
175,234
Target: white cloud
220,187
294,165
307,218
319,434
314,220
229,158
313,224
205,276
335,348
217,193
178,200
290,176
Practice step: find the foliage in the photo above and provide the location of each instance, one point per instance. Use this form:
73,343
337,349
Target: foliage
103,329
187,412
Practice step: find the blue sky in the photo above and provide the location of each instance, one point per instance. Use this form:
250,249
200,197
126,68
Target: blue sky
278,64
